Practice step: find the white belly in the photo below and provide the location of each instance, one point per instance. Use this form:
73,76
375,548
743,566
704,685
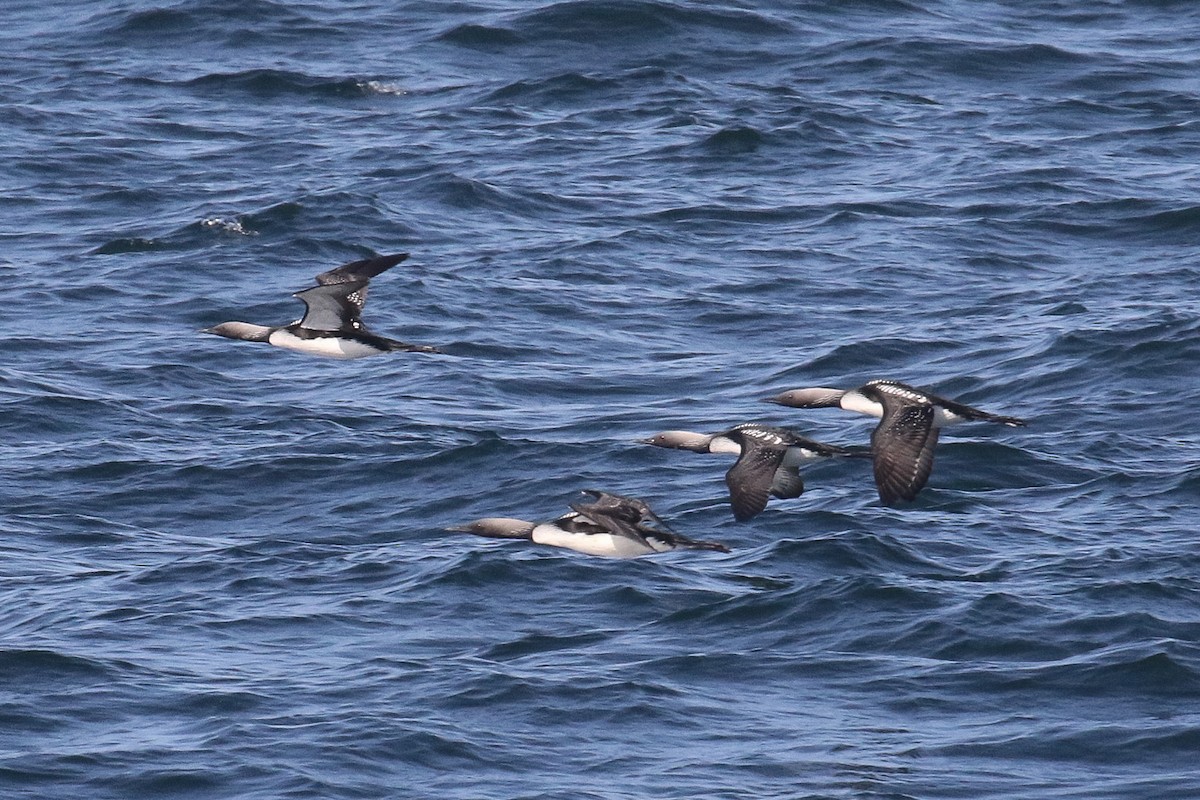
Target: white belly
853,401
328,346
723,444
593,544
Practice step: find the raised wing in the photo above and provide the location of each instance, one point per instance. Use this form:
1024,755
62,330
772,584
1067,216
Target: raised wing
633,510
605,522
362,270
359,271
329,308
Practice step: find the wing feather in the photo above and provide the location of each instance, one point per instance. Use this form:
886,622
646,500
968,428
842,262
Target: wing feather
750,479
903,445
328,307
362,270
787,483
359,271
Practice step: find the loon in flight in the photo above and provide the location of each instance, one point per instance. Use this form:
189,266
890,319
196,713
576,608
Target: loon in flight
902,443
607,525
768,461
332,323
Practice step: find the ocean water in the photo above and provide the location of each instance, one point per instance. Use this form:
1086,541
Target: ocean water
224,569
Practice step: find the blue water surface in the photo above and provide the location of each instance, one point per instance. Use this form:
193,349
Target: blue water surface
224,569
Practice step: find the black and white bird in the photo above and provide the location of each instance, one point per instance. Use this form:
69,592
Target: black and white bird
903,442
332,323
768,461
609,525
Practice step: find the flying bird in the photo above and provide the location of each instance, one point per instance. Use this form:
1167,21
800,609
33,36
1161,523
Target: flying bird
903,442
332,323
768,461
607,525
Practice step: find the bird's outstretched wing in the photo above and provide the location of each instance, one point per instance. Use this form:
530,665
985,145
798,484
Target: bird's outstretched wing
902,445
356,271
329,307
750,479
632,510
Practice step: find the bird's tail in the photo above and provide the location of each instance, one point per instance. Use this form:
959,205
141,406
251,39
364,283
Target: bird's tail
692,544
1012,422
405,347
